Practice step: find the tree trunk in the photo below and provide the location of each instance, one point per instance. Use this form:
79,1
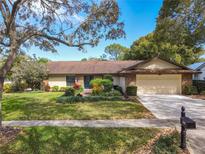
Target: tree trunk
1,93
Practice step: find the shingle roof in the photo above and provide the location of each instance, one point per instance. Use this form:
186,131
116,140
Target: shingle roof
88,67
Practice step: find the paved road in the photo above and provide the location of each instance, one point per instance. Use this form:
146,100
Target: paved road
168,107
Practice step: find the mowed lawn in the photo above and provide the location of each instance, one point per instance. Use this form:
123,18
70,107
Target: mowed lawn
43,106
53,140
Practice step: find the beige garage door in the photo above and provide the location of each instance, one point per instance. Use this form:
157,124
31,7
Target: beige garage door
158,84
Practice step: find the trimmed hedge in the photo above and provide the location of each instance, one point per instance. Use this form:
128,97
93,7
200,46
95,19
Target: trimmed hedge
131,90
69,92
118,88
200,85
111,93
55,88
76,99
109,77
63,89
190,90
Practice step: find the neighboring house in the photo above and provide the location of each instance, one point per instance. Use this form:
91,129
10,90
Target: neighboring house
198,67
154,76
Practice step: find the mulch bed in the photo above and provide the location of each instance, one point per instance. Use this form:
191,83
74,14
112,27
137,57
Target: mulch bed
149,146
198,96
8,134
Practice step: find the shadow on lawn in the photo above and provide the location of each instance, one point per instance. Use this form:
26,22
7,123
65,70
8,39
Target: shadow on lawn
54,140
42,106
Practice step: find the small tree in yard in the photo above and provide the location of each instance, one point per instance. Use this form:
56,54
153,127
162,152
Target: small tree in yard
31,72
47,24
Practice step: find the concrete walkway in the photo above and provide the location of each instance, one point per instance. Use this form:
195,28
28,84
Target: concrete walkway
157,123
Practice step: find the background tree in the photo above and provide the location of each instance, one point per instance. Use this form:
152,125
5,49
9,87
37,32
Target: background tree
182,23
143,48
179,35
47,24
115,52
146,47
43,60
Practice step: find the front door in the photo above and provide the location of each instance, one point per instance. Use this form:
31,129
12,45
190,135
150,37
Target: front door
87,80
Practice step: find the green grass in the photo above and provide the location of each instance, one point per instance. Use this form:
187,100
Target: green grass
53,140
168,144
43,106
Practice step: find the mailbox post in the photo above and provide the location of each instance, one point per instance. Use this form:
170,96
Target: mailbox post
186,123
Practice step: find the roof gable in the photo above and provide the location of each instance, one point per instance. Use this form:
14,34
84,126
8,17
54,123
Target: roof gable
157,63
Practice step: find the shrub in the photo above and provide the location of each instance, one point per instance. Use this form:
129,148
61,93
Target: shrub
55,88
97,86
69,92
76,85
200,84
96,82
63,89
47,88
108,77
111,93
190,90
7,88
202,93
167,144
75,99
107,85
118,88
131,90
78,89
19,86
101,85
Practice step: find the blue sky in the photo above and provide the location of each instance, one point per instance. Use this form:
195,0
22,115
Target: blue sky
139,17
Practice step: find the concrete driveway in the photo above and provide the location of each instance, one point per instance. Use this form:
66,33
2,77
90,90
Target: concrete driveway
169,106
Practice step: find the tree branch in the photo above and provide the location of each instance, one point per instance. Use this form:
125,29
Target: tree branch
4,44
62,41
3,14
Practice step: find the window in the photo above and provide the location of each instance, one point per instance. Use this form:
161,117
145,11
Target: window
70,80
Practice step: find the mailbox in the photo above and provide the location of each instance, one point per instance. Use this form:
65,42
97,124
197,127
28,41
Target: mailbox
188,123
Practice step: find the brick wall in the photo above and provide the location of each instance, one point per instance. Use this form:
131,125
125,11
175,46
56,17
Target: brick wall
186,80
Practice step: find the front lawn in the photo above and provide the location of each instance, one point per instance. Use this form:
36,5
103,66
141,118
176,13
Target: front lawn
43,106
54,140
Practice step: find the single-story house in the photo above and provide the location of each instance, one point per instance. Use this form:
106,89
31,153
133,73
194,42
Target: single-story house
198,67
153,76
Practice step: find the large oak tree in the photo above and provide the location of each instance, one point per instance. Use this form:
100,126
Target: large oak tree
49,23
182,23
